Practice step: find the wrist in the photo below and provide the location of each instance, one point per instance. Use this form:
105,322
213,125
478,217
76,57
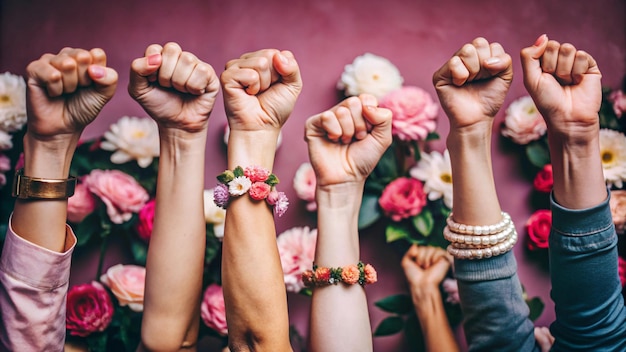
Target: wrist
49,157
180,140
246,148
340,197
424,295
476,136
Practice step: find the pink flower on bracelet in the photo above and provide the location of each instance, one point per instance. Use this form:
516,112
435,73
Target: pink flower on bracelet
255,180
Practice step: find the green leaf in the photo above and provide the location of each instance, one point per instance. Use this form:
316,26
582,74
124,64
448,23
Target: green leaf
432,136
97,341
536,306
387,166
395,232
389,326
87,228
139,250
424,222
398,304
369,212
537,153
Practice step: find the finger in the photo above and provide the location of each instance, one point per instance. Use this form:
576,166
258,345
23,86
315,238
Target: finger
67,66
171,53
440,268
565,63
263,66
496,49
380,120
550,57
360,125
286,65
104,78
531,63
330,125
46,76
470,59
143,70
583,64
202,79
344,118
98,57
501,66
83,61
245,79
182,72
355,117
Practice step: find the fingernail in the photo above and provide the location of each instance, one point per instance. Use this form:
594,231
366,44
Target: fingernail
492,61
540,40
361,135
283,58
97,71
153,59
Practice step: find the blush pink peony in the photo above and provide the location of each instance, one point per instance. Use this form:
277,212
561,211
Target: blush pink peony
402,198
296,247
304,183
81,204
414,113
212,309
523,123
127,283
89,309
120,192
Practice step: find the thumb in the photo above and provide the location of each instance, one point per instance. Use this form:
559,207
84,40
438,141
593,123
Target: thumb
140,71
531,66
104,78
287,66
440,268
380,119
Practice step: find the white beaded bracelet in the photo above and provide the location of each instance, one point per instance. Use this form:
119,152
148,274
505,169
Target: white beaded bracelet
480,253
478,229
480,241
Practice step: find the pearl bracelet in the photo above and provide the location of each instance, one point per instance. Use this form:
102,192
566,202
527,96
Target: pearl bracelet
478,241
480,253
479,229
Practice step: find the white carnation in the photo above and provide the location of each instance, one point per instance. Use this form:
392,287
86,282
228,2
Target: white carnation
613,156
370,74
132,138
12,102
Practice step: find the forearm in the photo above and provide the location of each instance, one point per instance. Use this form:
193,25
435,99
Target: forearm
42,222
433,320
177,246
339,307
252,277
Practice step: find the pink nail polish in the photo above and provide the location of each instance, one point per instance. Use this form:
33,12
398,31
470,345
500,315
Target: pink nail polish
153,59
97,71
540,40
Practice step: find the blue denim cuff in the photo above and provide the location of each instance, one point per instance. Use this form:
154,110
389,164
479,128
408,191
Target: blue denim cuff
494,268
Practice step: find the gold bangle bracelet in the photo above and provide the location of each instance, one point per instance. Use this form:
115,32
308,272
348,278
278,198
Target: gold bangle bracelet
25,187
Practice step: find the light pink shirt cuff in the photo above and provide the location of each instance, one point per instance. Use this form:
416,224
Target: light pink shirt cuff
33,290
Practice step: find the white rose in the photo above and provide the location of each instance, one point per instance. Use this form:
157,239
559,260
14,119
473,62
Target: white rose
370,74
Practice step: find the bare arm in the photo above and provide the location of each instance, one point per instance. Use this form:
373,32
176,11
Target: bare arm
178,91
343,151
260,90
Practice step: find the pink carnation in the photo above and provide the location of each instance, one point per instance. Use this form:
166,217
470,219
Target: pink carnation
618,99
296,247
414,113
256,173
304,183
146,221
127,282
279,201
119,191
221,196
89,309
350,274
371,276
402,198
212,309
81,204
259,190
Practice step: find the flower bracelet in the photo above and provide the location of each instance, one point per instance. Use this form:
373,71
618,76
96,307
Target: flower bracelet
257,181
352,274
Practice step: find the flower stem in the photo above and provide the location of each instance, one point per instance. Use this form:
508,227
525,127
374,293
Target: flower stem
103,249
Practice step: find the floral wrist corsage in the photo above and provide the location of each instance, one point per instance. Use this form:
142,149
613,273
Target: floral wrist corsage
255,180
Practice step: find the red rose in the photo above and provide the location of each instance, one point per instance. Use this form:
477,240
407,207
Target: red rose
89,309
543,181
146,221
538,227
402,198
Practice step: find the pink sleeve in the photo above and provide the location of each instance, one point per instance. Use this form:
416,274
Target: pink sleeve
33,290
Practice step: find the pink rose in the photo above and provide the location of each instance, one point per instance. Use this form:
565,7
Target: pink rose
146,221
414,113
402,198
256,173
304,183
212,309
296,248
81,204
618,210
544,180
523,123
127,283
621,270
618,99
259,190
121,193
538,227
89,309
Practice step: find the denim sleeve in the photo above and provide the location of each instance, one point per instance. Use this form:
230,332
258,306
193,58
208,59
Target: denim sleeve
586,289
494,311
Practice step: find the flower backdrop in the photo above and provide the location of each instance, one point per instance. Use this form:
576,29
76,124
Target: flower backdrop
524,128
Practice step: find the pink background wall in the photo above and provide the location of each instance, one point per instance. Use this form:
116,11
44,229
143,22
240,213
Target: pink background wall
417,36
